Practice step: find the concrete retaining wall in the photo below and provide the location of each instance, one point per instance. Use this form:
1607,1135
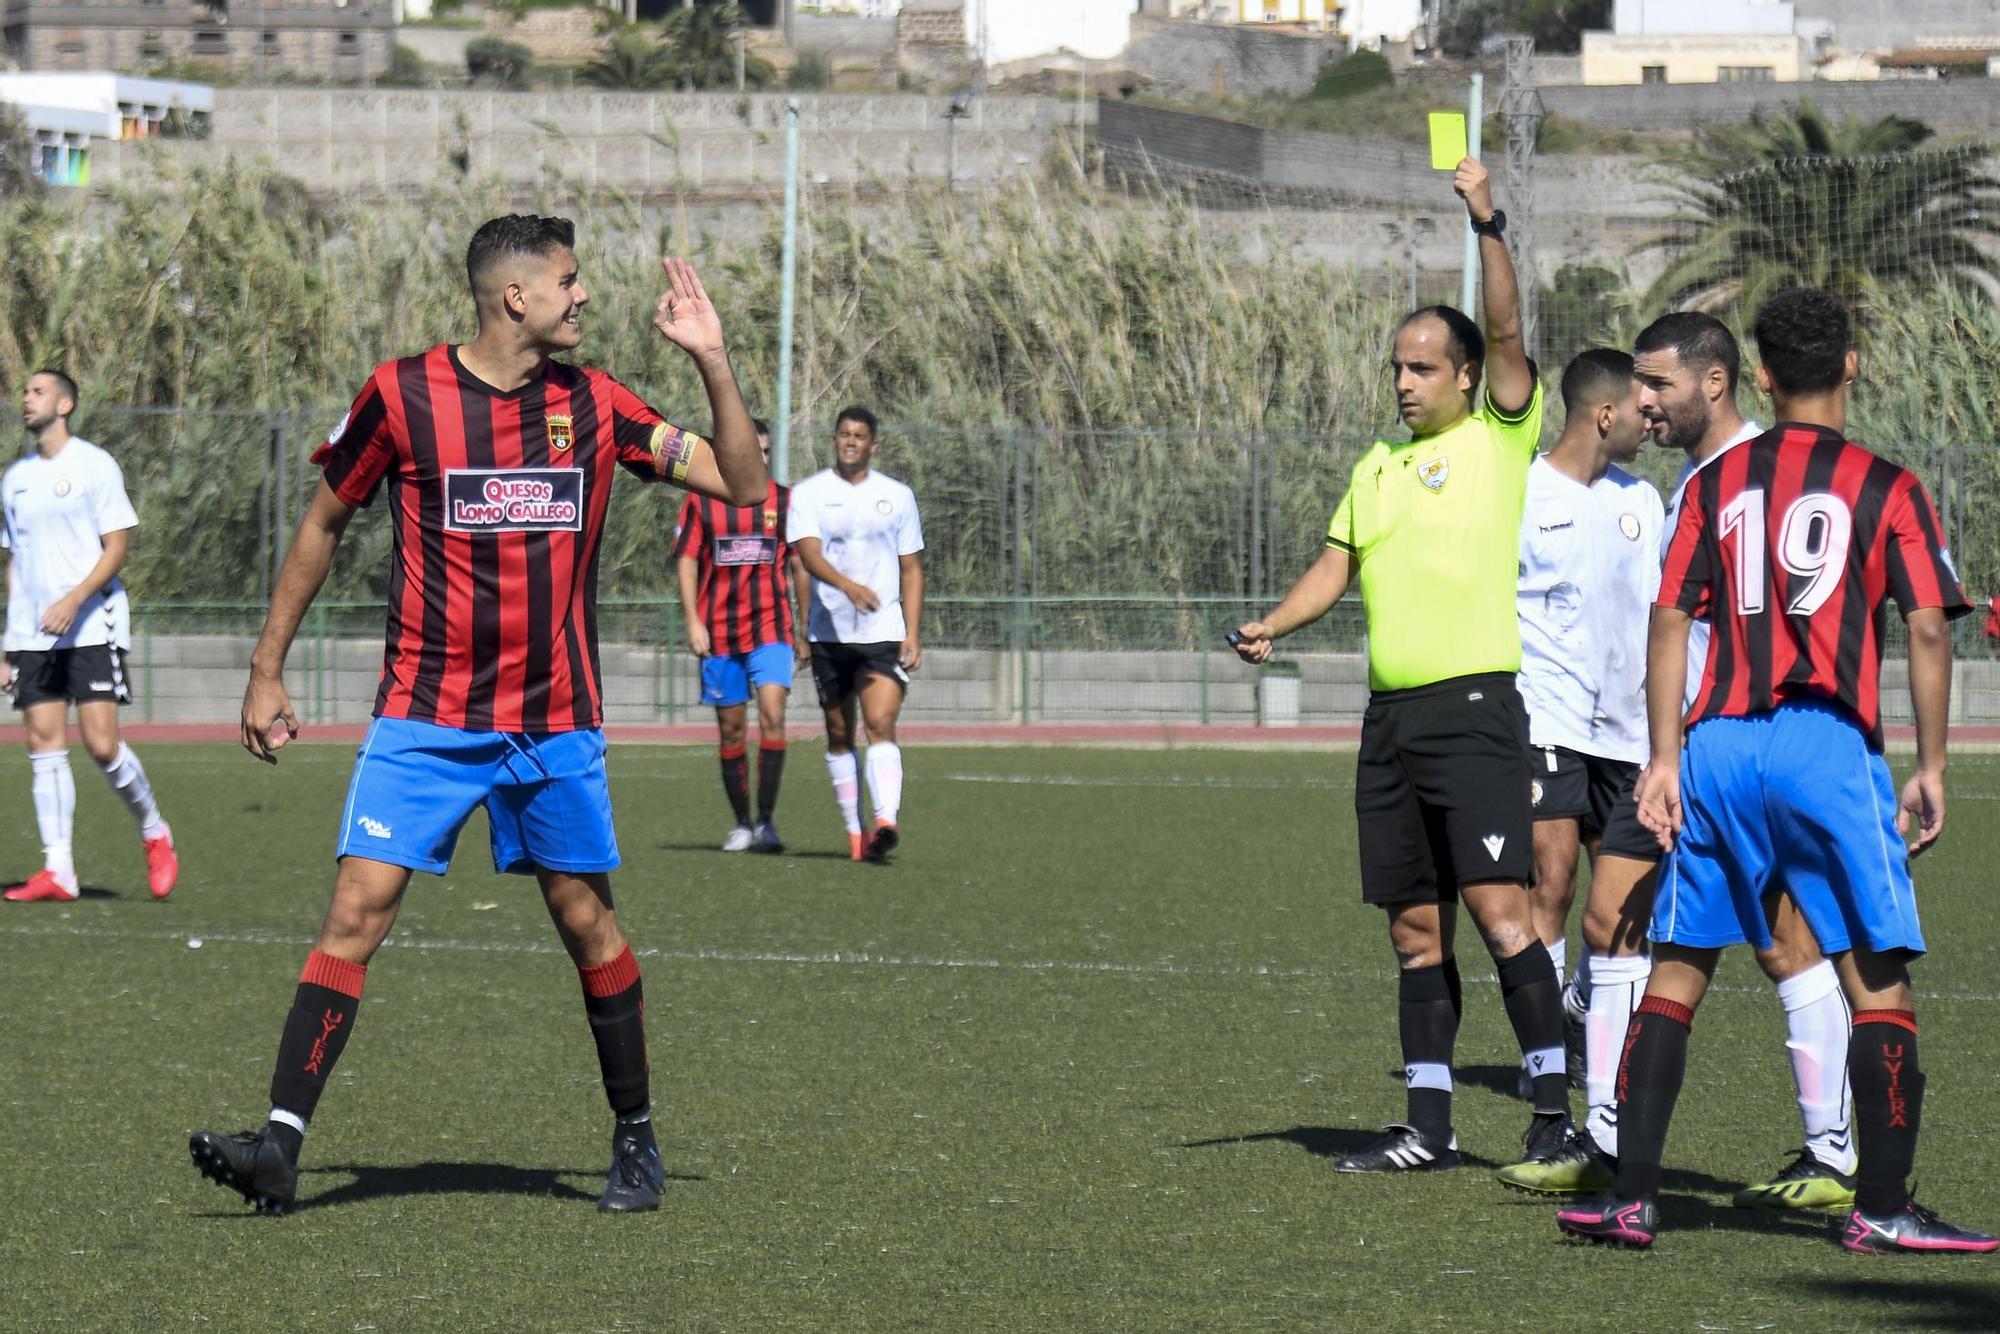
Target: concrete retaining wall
199,679
397,140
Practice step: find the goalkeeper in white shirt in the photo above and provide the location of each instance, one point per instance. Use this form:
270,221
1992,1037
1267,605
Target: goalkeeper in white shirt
68,527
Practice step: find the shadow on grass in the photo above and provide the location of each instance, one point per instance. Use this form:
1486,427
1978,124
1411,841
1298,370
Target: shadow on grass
373,1182
1320,1141
1917,1303
785,856
83,892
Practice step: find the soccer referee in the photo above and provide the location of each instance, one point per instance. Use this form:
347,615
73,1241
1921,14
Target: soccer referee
1433,525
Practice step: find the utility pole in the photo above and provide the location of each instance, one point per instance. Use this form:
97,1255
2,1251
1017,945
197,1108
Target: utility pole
1521,113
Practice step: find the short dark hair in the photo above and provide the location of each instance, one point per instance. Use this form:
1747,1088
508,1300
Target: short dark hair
1700,340
1803,338
760,426
1594,375
515,234
857,414
67,385
1463,341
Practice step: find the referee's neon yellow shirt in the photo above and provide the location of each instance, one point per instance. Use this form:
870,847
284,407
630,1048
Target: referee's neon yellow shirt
1436,525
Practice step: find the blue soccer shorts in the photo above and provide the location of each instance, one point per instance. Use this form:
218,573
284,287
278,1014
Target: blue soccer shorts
1793,798
727,679
416,784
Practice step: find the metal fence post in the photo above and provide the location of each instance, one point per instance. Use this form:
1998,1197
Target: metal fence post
1023,631
1201,619
319,664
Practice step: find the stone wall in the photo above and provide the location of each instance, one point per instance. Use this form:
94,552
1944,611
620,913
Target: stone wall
397,140
556,36
1183,59
1948,105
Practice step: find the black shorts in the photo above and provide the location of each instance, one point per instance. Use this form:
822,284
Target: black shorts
1596,793
838,669
89,672
1441,789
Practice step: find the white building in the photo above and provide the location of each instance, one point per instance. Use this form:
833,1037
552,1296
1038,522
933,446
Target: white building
1002,31
1697,41
67,113
1370,23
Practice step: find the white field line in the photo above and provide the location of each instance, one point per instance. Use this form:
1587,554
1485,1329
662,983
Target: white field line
839,958
1165,780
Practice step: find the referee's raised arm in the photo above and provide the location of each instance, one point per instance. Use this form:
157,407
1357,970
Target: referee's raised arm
1510,379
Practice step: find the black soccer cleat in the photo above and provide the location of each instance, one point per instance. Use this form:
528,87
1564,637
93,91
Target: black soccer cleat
882,844
633,1183
1912,1230
1612,1221
250,1164
1401,1149
1548,1134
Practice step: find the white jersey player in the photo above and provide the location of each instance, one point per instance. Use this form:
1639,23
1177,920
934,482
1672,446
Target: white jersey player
68,525
858,535
1590,534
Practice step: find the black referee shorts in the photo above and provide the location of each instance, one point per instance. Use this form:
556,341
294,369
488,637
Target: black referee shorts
1441,789
1596,793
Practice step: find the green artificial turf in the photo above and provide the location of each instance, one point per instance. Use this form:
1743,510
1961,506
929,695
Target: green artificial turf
1080,1059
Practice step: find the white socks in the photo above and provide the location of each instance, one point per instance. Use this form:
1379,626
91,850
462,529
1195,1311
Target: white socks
128,780
55,809
846,787
1817,1025
1559,956
885,780
1617,985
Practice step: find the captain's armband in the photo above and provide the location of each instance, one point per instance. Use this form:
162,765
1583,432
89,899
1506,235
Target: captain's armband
673,452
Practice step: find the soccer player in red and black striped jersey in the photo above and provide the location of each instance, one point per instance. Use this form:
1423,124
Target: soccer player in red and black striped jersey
1792,544
497,462
737,575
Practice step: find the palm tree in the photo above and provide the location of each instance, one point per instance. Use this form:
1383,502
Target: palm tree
632,58
1854,207
702,42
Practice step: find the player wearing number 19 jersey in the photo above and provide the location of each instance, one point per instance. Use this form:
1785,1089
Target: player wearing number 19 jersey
497,463
1792,545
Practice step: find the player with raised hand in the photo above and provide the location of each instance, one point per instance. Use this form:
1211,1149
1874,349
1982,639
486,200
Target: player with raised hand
1432,527
1792,545
497,460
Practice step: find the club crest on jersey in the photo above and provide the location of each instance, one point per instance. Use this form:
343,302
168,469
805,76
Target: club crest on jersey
62,487
883,506
1628,524
1434,473
559,433
770,520
513,500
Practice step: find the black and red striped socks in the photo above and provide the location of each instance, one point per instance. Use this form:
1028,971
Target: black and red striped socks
1888,1102
616,1003
1651,1069
316,1032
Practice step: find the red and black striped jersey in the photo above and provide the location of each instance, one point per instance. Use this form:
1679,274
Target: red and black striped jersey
1792,545
743,592
498,503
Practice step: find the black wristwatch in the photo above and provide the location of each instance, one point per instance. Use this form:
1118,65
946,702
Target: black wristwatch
1495,226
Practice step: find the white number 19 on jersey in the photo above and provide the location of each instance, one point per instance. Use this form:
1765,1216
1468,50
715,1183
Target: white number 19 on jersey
1813,538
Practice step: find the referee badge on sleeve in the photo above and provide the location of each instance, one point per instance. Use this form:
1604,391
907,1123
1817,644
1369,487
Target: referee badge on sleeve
1434,473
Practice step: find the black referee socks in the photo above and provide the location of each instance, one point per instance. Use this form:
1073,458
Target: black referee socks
1427,1018
1533,999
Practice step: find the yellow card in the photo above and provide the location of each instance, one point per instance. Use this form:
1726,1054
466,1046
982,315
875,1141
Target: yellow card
1447,139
